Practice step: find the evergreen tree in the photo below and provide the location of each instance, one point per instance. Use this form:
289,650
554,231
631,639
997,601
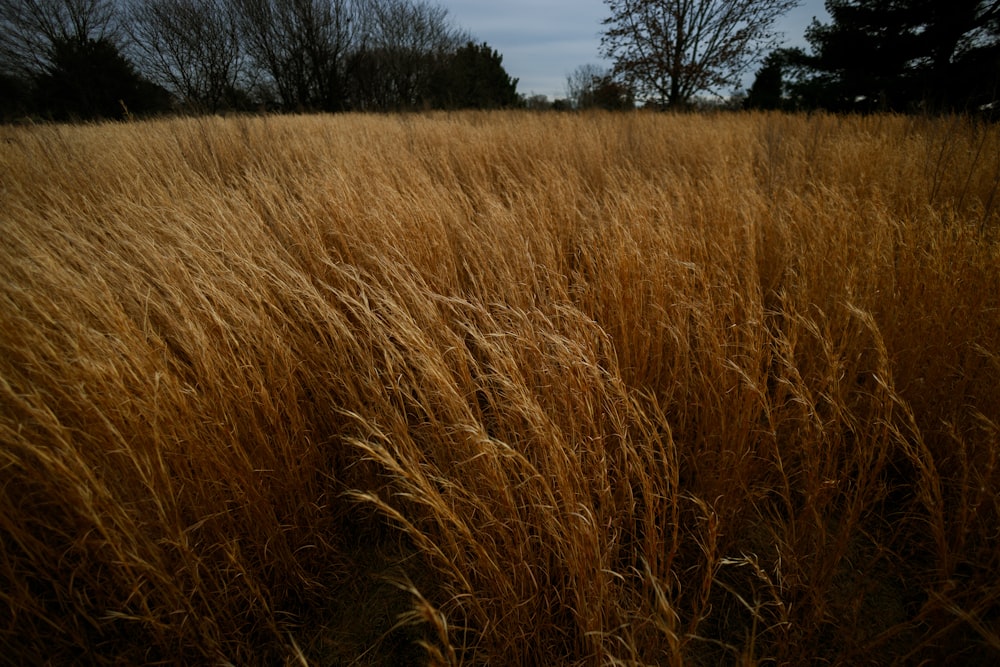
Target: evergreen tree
15,96
767,91
88,79
474,77
904,55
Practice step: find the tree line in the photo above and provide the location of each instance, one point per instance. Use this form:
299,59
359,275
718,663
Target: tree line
890,55
872,55
82,59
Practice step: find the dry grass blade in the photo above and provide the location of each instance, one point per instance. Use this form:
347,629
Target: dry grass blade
500,388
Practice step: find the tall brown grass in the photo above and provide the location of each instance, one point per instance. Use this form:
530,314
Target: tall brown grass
501,389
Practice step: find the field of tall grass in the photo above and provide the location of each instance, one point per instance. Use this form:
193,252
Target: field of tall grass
505,389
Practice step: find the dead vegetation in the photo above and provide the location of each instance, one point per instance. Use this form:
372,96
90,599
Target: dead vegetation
500,389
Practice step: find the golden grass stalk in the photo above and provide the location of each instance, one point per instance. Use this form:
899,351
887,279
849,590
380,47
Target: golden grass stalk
500,388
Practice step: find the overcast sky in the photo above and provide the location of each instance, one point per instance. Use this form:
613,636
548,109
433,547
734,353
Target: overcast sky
543,41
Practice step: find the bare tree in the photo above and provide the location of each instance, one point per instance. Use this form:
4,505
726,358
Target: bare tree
581,84
301,47
669,50
30,30
405,41
190,46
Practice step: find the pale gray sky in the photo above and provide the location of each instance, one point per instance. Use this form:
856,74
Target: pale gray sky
543,41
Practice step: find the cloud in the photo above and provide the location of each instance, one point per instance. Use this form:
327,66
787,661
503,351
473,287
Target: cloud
543,41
